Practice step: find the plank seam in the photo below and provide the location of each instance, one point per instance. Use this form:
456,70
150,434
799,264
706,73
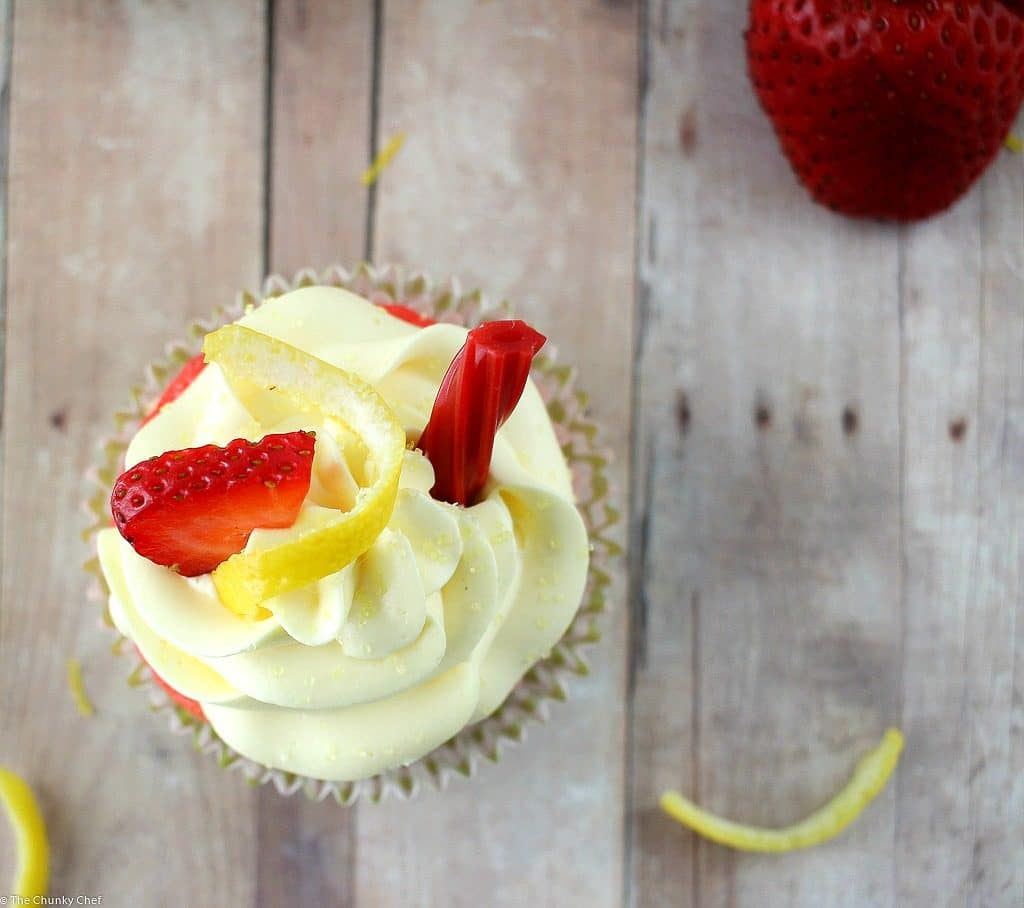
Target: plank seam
5,145
268,140
266,253
376,68
695,732
976,565
901,419
636,627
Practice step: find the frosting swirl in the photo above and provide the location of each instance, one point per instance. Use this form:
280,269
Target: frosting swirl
428,631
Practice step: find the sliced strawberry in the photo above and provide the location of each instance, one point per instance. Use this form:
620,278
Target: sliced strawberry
186,703
178,384
407,314
195,508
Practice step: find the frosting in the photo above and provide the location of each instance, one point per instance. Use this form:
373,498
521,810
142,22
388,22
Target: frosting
428,631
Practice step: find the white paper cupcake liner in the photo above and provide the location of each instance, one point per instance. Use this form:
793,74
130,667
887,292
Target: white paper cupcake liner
545,683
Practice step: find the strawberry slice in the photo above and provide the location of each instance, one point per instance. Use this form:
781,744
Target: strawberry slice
186,703
193,509
407,314
178,384
478,393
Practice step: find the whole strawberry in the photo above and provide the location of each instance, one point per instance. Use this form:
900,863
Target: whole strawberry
888,108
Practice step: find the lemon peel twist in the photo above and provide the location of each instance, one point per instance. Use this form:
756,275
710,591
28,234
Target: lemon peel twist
77,687
33,869
869,778
247,579
376,168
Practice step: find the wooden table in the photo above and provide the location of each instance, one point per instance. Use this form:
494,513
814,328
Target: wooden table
821,424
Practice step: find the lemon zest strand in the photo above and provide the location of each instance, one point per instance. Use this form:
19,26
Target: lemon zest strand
22,808
390,149
77,687
869,778
247,579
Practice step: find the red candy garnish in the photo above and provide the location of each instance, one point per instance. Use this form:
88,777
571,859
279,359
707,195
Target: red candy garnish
478,393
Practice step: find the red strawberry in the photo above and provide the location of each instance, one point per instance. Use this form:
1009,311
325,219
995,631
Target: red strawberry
888,108
186,703
195,508
407,314
178,384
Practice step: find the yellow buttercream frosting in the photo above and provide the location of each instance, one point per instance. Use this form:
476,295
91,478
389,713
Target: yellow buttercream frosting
428,630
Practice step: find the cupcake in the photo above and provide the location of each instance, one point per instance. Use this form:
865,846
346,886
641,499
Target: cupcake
345,532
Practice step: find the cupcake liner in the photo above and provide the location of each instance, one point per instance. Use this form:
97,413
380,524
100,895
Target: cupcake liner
545,683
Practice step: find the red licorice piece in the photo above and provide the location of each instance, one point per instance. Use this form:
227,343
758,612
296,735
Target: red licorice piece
478,393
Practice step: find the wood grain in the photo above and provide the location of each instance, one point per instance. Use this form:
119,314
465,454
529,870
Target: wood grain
825,421
321,95
6,35
135,204
996,644
517,174
322,65
766,581
961,794
839,406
